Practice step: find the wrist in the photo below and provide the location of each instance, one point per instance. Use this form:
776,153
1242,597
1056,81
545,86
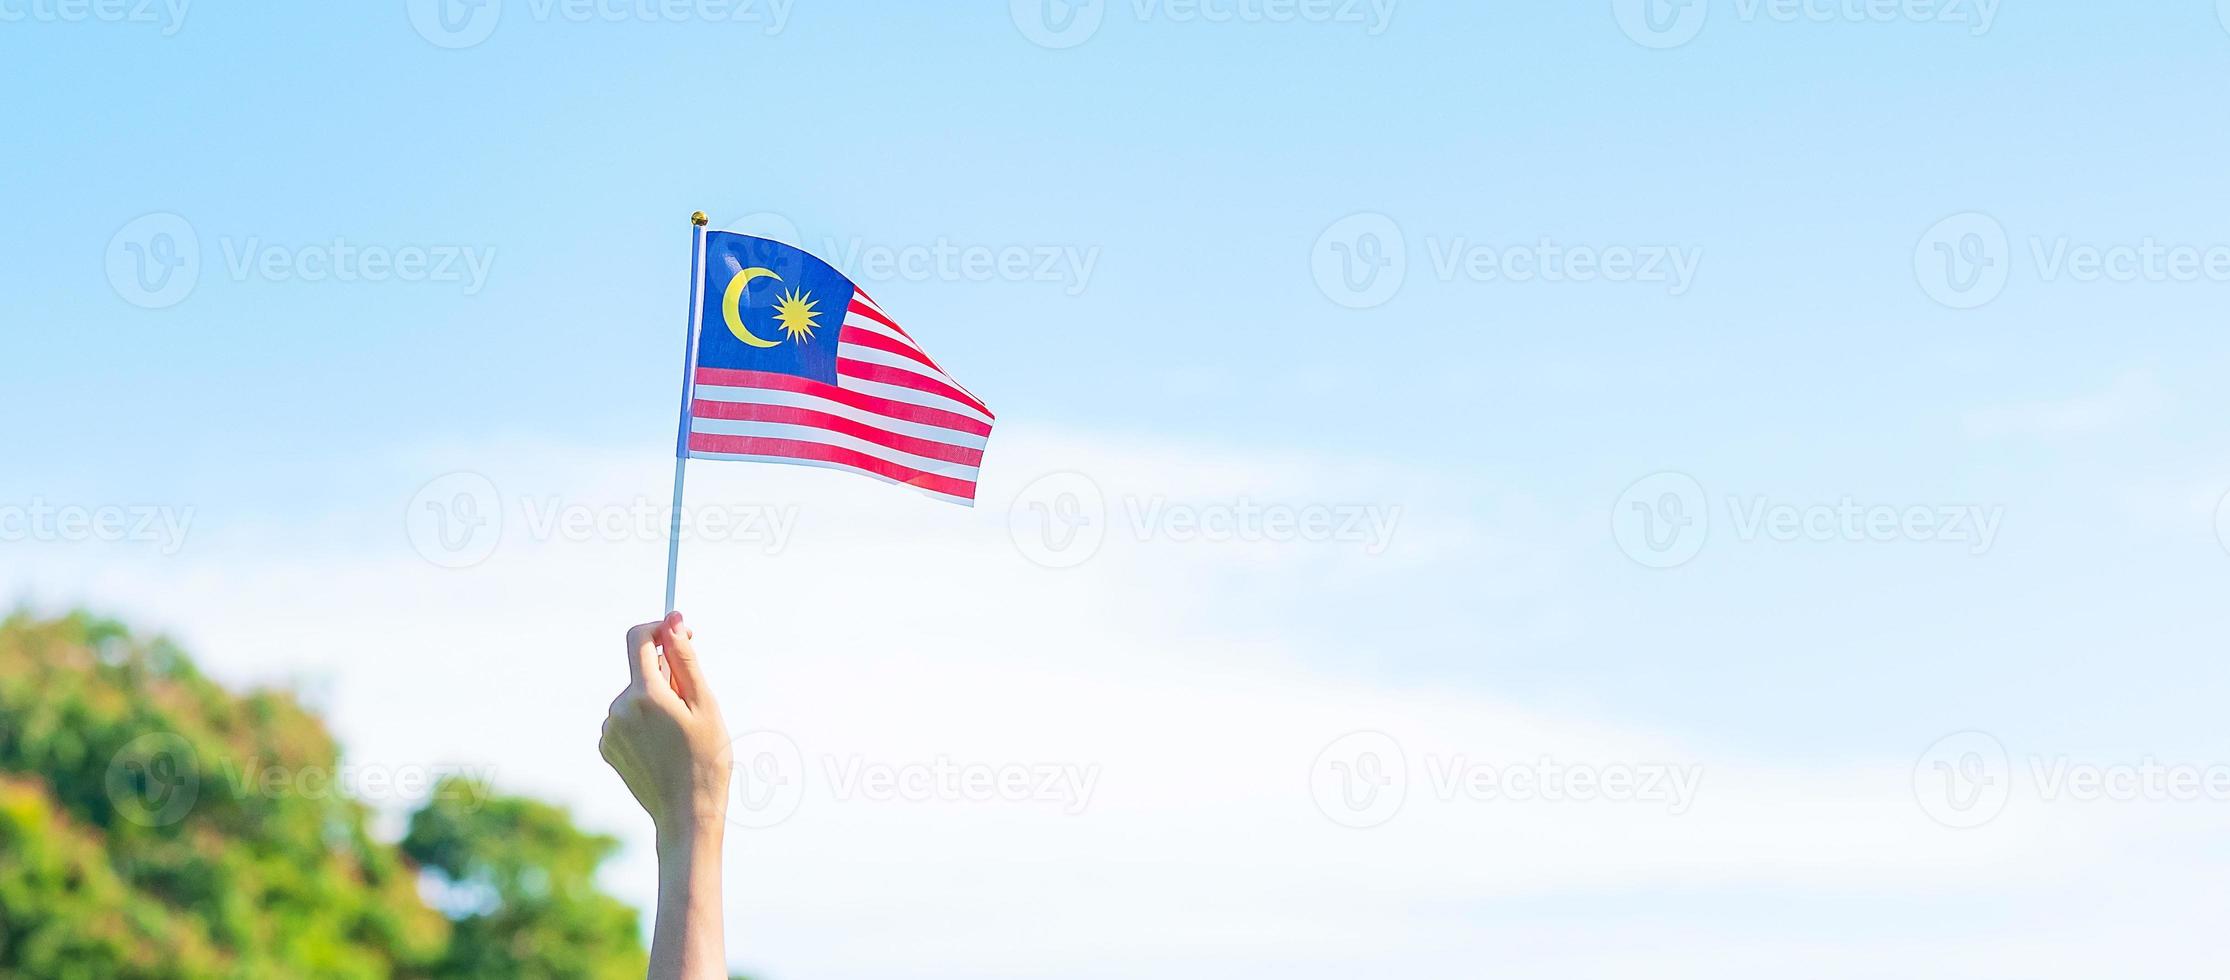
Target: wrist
692,832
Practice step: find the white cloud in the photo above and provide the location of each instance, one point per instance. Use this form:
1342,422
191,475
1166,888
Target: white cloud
895,631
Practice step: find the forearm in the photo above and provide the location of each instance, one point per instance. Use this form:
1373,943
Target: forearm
686,943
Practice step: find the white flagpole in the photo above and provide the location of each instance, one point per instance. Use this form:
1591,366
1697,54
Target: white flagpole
688,396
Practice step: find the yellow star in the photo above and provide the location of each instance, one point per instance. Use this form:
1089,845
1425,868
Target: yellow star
794,311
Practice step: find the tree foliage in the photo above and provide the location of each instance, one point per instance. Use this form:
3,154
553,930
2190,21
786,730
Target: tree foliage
136,843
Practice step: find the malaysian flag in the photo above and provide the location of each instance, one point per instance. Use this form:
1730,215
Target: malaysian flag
795,364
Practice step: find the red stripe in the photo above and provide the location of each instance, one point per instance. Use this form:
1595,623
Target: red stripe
701,442
877,316
903,411
906,379
885,342
916,353
736,411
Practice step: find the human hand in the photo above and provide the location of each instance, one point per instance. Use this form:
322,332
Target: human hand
664,735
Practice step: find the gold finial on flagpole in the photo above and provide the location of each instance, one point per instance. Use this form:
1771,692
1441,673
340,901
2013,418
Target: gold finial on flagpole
698,219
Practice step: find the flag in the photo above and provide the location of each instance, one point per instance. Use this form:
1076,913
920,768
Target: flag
796,364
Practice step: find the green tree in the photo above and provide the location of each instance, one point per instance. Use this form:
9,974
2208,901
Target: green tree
526,878
136,843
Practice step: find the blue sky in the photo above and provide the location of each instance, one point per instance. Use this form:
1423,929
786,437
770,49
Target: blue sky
1180,181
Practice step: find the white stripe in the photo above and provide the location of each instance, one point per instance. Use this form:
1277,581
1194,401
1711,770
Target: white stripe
807,433
902,338
796,399
875,326
866,301
899,393
887,359
866,323
824,464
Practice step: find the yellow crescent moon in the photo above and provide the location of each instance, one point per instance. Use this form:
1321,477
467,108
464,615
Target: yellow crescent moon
730,302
